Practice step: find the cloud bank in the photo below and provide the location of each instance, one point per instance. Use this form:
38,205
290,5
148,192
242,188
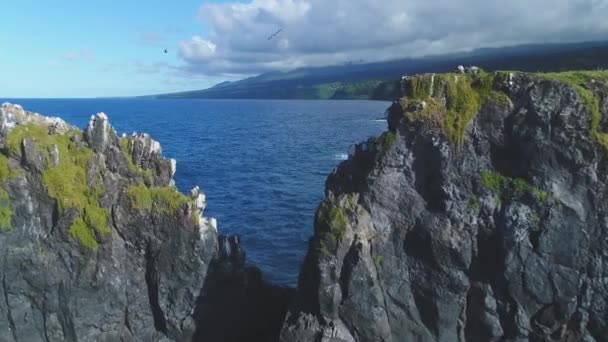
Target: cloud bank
320,32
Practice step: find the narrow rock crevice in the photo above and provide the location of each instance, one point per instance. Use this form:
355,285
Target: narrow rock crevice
350,262
160,322
427,310
45,311
127,323
429,180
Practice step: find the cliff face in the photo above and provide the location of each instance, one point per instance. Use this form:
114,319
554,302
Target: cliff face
481,215
96,244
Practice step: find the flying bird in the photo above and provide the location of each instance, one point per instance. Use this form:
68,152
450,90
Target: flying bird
165,51
274,34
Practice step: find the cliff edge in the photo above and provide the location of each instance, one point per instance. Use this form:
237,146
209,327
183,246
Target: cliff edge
481,215
96,244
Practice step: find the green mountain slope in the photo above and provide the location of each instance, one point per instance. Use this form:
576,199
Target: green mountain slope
376,81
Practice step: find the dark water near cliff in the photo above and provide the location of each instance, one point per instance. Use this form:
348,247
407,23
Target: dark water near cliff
261,163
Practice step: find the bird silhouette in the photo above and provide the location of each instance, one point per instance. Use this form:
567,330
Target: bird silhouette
165,51
274,34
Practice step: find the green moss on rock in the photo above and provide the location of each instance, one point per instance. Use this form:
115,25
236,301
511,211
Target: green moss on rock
379,260
81,232
388,139
334,218
464,95
140,196
484,85
66,182
166,199
580,81
492,180
473,204
6,211
495,181
421,86
462,104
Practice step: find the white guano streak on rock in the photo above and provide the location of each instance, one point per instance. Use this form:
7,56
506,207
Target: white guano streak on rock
173,166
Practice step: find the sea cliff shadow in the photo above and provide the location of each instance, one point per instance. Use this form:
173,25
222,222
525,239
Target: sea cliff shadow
236,304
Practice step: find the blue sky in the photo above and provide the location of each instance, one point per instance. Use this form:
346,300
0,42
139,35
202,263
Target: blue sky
89,48
76,48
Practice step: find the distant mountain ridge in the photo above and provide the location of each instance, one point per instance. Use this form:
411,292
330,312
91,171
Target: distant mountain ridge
376,81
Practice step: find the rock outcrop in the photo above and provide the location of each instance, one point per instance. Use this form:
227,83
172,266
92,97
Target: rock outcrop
238,305
96,244
481,215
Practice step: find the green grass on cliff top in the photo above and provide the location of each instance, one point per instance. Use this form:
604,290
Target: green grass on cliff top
66,182
582,82
166,199
465,93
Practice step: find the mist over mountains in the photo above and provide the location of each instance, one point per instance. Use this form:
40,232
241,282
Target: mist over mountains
377,81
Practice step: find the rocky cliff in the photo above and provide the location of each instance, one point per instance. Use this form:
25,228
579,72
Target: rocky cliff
481,215
96,244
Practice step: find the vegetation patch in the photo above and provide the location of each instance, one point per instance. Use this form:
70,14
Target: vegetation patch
580,81
484,85
388,139
81,232
379,259
334,218
421,87
431,110
350,200
498,183
473,204
462,104
6,211
492,180
464,95
66,182
166,199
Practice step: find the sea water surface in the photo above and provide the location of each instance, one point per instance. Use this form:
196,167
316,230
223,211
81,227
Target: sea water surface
261,163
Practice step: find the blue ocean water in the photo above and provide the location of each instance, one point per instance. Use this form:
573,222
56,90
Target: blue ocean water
261,163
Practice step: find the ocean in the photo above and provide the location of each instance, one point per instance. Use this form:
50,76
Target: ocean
261,163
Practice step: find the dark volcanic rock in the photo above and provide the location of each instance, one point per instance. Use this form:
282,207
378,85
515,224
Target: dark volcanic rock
105,263
237,305
500,237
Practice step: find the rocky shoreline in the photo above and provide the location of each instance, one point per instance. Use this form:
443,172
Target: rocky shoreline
97,244
478,216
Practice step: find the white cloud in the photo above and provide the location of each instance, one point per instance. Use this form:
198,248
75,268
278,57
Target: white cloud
321,32
197,49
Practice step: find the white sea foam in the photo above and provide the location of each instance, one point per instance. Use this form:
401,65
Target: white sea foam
341,156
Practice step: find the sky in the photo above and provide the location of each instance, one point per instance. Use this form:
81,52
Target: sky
75,48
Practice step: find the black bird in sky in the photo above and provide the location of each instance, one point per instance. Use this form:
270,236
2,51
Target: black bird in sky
274,34
165,51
